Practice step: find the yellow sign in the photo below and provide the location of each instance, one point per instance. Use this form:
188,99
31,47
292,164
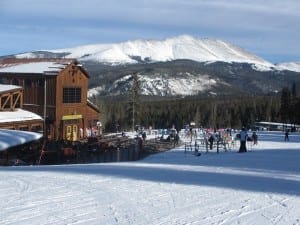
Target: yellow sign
72,117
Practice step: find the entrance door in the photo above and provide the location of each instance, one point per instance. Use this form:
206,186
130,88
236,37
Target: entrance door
69,133
71,129
75,132
72,132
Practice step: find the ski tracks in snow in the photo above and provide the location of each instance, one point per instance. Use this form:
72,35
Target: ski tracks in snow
170,188
62,198
256,209
44,199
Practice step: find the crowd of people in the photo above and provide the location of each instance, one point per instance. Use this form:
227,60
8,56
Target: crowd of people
225,138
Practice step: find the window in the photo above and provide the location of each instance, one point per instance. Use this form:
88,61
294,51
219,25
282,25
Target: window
28,83
40,83
4,80
71,95
15,82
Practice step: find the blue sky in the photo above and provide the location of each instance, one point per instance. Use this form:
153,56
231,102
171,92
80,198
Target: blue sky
267,28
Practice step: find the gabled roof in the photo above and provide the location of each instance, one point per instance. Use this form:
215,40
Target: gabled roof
93,106
47,66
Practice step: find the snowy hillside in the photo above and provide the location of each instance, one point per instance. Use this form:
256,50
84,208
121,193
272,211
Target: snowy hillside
186,78
159,85
181,47
293,66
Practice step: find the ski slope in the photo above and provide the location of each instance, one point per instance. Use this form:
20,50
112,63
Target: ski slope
261,186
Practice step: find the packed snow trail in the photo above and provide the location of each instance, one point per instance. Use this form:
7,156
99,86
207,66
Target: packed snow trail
258,187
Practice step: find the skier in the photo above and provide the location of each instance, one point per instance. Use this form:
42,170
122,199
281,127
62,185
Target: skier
211,141
254,138
243,139
286,136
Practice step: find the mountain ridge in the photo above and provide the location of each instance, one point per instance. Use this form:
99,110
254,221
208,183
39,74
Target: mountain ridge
186,78
173,48
180,47
177,66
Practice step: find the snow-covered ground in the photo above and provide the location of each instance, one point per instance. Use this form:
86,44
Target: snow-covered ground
261,186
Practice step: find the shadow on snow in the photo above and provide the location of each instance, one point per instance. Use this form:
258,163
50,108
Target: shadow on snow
148,171
266,170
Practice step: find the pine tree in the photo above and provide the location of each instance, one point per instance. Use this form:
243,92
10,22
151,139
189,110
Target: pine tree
297,111
293,106
285,105
135,99
294,92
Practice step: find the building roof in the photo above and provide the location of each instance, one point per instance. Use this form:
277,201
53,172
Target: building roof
7,87
11,138
17,116
34,66
266,124
92,105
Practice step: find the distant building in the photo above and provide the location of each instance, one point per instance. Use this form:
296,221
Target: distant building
273,126
56,90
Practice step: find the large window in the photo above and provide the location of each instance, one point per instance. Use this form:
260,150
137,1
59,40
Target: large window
71,95
28,83
4,80
15,82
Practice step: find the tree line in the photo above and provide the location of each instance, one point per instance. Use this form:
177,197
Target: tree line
213,112
290,106
123,112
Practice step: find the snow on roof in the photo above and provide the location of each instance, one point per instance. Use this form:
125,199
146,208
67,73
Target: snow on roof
277,124
18,115
32,67
7,87
89,102
11,138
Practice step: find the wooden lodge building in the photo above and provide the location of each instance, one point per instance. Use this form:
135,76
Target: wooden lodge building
56,90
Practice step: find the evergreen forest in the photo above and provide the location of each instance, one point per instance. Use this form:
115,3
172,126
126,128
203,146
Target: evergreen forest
218,112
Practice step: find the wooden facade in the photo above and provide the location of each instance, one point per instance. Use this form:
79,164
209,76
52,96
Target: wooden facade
55,89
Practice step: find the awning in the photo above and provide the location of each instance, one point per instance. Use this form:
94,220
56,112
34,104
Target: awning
11,138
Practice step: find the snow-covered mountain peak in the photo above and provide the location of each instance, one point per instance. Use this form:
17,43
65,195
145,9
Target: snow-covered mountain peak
180,47
293,66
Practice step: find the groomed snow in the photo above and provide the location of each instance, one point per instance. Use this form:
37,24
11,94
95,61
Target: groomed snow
261,186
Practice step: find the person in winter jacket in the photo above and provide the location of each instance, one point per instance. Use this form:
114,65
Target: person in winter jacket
286,135
254,138
243,139
211,141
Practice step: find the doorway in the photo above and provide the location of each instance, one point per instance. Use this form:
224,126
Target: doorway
72,132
